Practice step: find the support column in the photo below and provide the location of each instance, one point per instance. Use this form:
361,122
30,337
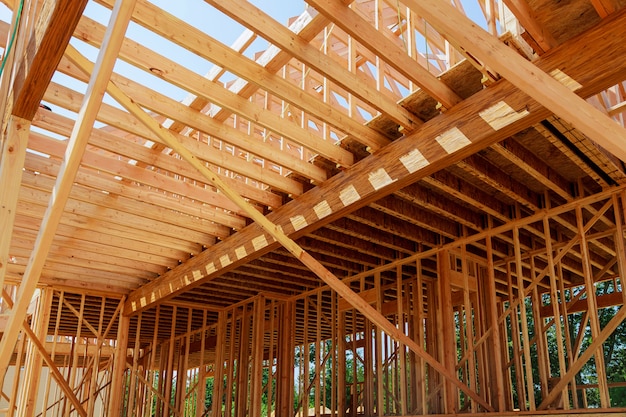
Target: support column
492,308
12,156
218,367
256,365
446,321
592,307
26,407
285,360
119,367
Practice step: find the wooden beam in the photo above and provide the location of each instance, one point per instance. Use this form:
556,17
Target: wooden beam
526,17
60,193
365,33
57,21
402,162
13,153
605,7
119,365
555,91
306,26
602,301
117,118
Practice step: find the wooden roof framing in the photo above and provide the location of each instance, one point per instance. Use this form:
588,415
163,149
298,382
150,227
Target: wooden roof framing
355,148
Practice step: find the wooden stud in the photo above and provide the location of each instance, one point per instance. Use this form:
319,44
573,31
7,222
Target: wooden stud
515,336
401,288
467,323
555,308
119,367
568,338
594,321
521,293
620,215
258,339
12,155
543,359
447,323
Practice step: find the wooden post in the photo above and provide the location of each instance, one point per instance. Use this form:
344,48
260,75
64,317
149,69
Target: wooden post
543,360
515,336
380,367
27,404
12,155
318,353
153,353
77,341
272,351
285,359
258,342
592,308
620,215
335,353
530,385
400,287
446,321
21,346
96,360
341,364
554,301
243,363
218,367
119,368
202,369
133,385
232,364
469,323
568,337
419,379
434,346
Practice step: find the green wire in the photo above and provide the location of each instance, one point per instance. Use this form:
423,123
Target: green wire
8,50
